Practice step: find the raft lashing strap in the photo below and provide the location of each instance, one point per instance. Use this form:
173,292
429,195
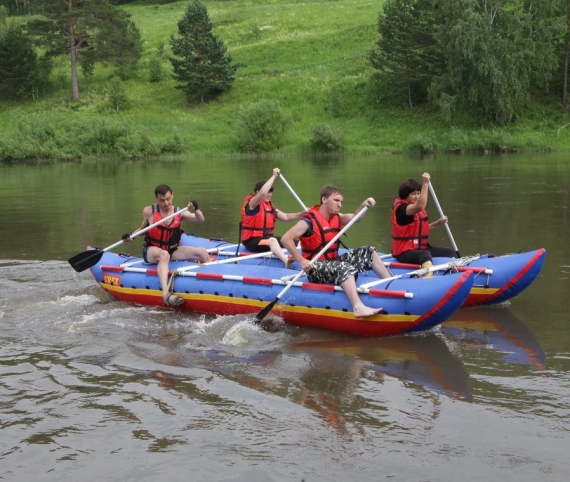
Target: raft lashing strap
170,286
261,281
450,266
459,264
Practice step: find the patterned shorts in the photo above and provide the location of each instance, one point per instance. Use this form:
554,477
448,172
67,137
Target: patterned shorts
339,269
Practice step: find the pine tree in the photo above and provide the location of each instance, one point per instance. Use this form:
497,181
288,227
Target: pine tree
407,55
200,63
22,73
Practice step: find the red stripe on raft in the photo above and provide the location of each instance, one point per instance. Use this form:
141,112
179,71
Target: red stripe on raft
474,269
105,267
154,272
318,287
215,276
395,264
521,273
258,281
443,300
388,293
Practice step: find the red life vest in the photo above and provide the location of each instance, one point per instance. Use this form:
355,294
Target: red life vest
162,236
323,231
261,224
410,236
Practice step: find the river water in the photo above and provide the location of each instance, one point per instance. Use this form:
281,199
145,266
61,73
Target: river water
95,389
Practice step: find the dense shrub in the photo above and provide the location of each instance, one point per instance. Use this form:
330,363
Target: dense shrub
325,139
62,137
261,126
117,95
424,143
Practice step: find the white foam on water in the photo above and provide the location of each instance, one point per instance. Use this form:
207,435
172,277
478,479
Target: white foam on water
201,324
224,330
237,334
81,300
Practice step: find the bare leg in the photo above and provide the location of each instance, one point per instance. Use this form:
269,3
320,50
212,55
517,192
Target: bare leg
277,250
378,267
188,252
360,309
162,258
428,264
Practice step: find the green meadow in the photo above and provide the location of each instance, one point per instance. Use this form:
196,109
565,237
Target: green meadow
310,56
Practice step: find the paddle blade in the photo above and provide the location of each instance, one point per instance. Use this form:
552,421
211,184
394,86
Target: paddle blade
80,262
265,311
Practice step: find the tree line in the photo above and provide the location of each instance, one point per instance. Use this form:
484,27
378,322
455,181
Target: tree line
487,57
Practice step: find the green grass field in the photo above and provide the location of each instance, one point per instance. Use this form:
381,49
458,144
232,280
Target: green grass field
310,56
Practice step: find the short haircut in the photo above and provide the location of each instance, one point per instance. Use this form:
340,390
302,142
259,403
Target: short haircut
407,187
162,189
328,190
258,186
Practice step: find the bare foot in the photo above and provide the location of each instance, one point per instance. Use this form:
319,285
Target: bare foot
364,311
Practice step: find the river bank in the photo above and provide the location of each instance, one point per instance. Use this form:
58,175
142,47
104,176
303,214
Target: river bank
312,60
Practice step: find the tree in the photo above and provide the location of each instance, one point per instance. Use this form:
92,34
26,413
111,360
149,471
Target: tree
3,15
407,55
199,59
561,12
88,31
494,52
117,95
22,72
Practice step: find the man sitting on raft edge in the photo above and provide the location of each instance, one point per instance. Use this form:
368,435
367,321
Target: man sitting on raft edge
319,226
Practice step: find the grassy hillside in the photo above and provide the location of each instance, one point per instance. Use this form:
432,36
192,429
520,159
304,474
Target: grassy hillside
311,56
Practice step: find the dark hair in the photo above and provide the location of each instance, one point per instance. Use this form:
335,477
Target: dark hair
328,190
259,185
407,187
162,189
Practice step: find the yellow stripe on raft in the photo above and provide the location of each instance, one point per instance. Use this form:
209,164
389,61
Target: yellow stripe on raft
386,318
483,291
344,314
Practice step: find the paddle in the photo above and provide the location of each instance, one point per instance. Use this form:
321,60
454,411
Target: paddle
265,311
383,256
442,215
80,262
293,192
265,254
424,271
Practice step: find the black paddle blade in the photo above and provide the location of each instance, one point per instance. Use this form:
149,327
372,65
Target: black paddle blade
265,311
80,262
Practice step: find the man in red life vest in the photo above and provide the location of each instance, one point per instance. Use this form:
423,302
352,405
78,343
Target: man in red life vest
319,226
258,216
411,226
162,243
